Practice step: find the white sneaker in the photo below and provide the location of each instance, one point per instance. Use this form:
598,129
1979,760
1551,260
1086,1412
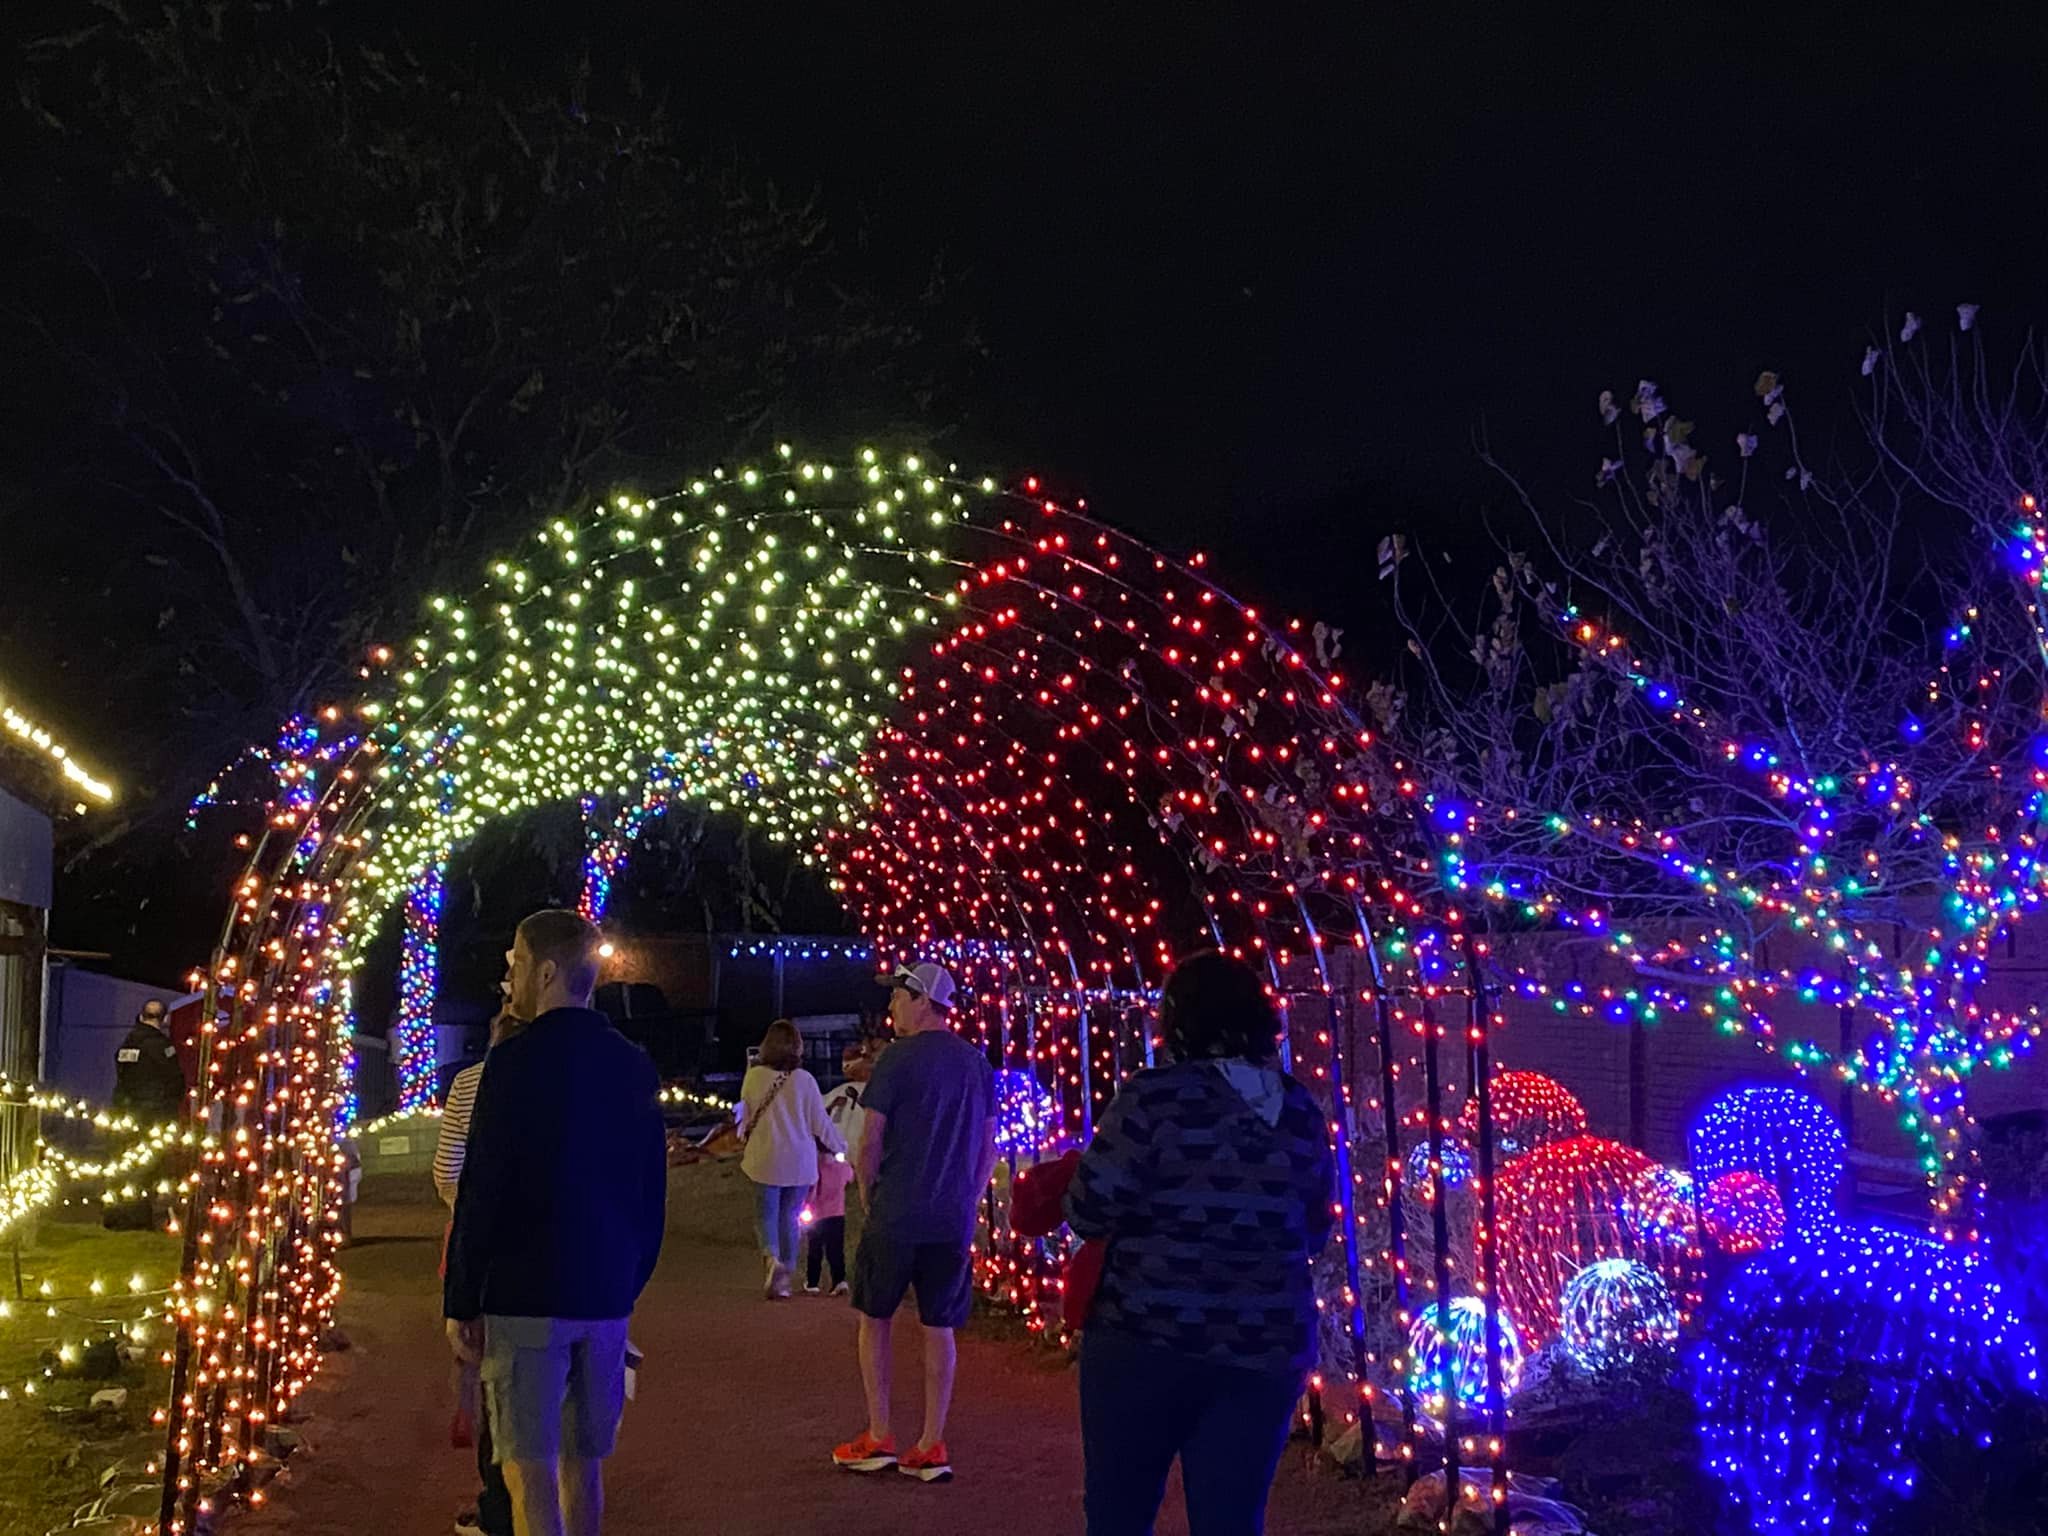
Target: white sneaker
778,1282
842,1289
810,1290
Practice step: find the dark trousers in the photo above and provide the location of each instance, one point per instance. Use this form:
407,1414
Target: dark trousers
828,1241
493,1501
1141,1406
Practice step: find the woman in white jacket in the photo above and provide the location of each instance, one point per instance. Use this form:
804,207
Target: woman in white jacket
783,1123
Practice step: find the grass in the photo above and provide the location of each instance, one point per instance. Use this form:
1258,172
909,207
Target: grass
53,1445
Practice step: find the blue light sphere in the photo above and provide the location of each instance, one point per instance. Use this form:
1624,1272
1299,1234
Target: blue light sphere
1459,1351
1457,1165
1783,1135
1027,1115
1616,1313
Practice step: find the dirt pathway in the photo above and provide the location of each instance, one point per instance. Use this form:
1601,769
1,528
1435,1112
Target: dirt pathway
738,1407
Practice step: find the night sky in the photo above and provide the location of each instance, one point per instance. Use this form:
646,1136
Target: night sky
1276,268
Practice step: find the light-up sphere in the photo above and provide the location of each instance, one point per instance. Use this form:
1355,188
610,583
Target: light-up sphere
1783,1134
1743,1213
1663,1205
1457,1165
1529,1111
1027,1115
1459,1350
1568,1204
1615,1313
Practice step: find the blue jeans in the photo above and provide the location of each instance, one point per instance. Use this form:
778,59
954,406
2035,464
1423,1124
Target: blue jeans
1143,1405
776,1208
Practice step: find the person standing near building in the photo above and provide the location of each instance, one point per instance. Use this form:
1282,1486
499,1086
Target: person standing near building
558,1222
149,1083
927,1154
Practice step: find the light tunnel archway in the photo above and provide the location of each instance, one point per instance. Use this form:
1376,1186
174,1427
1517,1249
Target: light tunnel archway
1009,734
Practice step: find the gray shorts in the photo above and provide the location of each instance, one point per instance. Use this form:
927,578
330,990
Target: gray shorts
553,1387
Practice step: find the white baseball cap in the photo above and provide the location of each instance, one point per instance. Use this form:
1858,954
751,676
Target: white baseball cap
926,980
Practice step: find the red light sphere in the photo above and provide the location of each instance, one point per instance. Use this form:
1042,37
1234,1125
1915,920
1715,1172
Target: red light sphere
1743,1213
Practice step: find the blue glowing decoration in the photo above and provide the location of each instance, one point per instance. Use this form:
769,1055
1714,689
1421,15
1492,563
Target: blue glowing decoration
419,973
1457,1165
1616,1313
1833,1364
1027,1115
1447,1363
1783,1135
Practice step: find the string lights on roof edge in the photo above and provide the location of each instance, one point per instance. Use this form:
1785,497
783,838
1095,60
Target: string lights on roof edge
40,740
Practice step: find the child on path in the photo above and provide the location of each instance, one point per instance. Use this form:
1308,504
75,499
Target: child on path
828,1223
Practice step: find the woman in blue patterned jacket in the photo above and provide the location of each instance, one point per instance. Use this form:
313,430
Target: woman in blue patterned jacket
1211,1181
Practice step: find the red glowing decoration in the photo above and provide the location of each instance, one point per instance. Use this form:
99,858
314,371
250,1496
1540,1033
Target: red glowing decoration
1743,1213
1529,1111
1568,1205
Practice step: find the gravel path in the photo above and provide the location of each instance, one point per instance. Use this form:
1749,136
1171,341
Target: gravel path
739,1405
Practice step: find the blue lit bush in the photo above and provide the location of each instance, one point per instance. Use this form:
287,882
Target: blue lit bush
1838,1366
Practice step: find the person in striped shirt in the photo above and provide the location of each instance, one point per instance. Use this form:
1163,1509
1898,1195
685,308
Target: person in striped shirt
453,1143
491,1515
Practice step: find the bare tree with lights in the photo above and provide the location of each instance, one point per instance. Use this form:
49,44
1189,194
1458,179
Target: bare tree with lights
1767,732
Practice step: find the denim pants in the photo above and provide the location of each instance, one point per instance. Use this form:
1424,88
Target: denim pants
1142,1405
776,1208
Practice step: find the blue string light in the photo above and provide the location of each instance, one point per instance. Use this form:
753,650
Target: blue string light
419,970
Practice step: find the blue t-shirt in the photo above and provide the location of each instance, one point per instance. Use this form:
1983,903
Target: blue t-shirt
939,1096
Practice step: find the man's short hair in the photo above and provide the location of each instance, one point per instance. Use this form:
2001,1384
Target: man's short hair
568,939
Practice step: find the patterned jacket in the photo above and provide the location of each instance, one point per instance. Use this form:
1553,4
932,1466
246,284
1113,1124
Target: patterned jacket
1213,1218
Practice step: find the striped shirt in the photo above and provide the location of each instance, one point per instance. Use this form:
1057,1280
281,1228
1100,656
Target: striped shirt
453,1145
1212,1216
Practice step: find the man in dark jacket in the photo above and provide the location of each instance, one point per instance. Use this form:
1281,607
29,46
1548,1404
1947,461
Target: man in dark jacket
148,1081
558,1222
149,1084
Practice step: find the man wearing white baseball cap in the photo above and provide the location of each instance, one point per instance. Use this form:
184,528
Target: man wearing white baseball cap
926,1155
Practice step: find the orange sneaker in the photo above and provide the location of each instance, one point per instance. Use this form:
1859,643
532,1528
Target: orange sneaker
930,1465
864,1453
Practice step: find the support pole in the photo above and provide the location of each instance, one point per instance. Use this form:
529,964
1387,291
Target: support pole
1487,1237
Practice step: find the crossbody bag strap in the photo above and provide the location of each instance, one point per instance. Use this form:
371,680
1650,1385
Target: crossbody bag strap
747,1129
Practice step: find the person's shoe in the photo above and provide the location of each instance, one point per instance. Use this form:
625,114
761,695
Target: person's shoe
842,1289
778,1283
864,1453
811,1290
469,1523
930,1465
